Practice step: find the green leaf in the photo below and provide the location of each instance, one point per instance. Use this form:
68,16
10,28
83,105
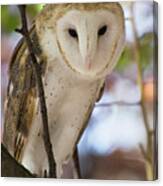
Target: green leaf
145,52
9,18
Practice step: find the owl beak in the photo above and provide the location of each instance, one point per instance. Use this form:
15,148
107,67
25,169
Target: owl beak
89,66
88,63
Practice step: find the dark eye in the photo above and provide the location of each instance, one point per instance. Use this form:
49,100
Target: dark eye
102,30
73,33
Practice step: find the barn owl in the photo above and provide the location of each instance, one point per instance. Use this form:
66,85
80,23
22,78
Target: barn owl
77,45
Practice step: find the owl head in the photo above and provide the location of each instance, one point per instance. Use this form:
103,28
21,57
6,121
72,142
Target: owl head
88,37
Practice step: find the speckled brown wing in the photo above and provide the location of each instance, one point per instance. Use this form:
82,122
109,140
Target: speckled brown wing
21,98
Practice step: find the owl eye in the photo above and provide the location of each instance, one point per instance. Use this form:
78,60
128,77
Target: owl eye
102,30
72,33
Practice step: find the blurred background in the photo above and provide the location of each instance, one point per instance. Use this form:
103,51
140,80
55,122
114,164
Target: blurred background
119,140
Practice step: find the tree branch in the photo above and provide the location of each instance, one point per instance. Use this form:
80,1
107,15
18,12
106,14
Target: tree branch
10,167
37,70
148,154
120,103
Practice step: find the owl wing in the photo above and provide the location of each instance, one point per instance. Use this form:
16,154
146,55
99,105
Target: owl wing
21,97
100,91
86,120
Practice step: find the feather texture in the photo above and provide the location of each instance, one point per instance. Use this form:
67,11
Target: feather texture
21,98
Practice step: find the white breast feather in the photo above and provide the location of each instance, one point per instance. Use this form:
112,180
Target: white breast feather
68,101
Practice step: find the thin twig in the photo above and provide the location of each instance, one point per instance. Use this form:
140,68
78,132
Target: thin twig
37,70
120,103
148,153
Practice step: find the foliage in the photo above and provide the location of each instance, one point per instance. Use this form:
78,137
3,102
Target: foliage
146,53
10,18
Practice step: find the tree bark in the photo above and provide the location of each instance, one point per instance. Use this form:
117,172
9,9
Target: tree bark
11,168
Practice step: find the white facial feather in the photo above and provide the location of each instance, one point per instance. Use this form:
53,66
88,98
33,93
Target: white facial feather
89,53
86,52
